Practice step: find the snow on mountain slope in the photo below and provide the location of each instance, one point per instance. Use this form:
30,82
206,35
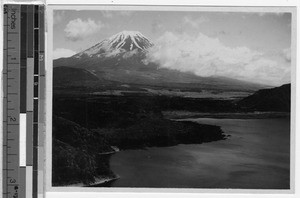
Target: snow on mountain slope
122,42
129,40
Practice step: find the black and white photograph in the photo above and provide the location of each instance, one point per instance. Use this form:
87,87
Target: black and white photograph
171,98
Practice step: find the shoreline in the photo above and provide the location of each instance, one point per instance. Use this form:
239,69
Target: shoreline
98,182
103,181
174,115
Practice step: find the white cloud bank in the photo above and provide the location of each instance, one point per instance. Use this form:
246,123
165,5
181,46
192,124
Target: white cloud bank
78,29
195,23
62,52
207,56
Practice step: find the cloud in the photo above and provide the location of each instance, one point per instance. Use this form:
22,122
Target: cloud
206,56
78,29
195,23
130,53
58,16
62,52
287,54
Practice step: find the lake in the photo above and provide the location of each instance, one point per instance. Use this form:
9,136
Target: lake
256,156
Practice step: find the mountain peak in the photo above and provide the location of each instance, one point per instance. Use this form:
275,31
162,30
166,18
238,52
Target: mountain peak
129,40
127,33
124,41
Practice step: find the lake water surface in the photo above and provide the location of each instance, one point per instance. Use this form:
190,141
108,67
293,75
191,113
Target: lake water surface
256,156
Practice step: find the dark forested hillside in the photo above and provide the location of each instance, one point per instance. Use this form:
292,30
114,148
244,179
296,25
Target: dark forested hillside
275,99
77,154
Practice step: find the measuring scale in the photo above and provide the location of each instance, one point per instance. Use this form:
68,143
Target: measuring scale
23,101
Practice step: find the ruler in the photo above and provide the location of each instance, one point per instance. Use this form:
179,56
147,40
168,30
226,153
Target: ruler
23,101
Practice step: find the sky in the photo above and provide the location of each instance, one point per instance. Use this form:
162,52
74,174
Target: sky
243,45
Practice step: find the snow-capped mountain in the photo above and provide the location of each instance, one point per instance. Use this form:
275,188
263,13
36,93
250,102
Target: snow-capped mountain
120,43
120,58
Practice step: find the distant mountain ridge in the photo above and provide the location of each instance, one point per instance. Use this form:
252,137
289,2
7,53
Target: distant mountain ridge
275,99
121,58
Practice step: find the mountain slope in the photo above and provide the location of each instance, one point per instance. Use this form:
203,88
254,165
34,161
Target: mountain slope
68,74
275,99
